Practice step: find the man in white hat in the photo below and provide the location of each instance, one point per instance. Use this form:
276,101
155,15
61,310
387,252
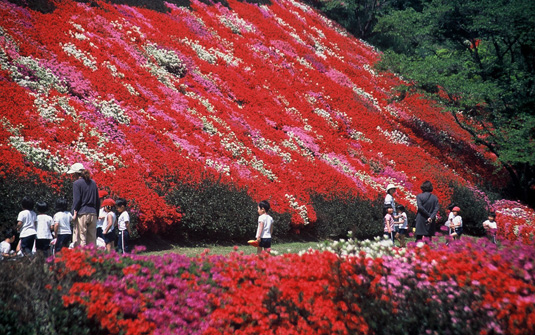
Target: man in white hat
85,206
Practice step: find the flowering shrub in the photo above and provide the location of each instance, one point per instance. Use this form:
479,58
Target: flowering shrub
346,287
272,97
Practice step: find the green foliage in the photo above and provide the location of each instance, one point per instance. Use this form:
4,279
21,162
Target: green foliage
474,209
218,212
32,303
14,187
339,213
479,55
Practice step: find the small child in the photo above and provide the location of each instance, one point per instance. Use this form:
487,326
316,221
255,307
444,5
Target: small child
5,245
62,225
26,223
403,225
101,214
491,226
389,223
265,227
450,218
45,226
108,232
456,225
123,225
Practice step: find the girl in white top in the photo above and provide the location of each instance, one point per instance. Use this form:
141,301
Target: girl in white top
265,227
26,222
62,225
456,223
45,224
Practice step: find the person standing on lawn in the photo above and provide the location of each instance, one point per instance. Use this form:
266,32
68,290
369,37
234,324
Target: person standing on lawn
389,224
62,225
44,228
123,226
265,227
101,214
85,206
427,211
26,225
403,225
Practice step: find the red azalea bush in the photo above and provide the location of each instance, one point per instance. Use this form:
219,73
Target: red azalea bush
356,287
275,99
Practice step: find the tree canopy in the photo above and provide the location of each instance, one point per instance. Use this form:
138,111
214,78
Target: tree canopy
475,58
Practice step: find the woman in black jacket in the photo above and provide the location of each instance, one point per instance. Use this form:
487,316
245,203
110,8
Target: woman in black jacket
427,211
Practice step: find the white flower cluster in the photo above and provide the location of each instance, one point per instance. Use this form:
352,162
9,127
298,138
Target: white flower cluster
358,136
112,109
84,57
395,136
39,156
301,209
258,165
300,147
205,102
211,54
267,145
376,248
168,59
80,146
236,24
324,114
46,108
218,166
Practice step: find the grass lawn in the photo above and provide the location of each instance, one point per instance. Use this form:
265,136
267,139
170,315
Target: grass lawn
157,246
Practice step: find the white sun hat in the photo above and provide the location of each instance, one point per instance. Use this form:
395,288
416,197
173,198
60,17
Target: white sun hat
76,167
390,186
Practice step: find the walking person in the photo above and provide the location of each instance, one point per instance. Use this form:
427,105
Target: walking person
265,227
427,211
85,206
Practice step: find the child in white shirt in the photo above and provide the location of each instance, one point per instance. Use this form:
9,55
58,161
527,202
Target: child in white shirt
45,225
5,245
456,223
26,223
265,227
62,225
491,227
123,225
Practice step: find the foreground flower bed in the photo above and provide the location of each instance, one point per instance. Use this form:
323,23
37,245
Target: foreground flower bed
349,287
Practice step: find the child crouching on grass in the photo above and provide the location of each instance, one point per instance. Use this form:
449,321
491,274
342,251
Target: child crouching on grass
265,227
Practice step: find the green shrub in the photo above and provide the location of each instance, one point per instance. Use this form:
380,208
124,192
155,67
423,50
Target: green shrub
339,213
474,209
32,304
213,211
14,187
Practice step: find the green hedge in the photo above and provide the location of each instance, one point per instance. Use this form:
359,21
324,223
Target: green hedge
213,211
339,213
32,303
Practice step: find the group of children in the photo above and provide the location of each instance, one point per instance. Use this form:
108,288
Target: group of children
396,223
39,232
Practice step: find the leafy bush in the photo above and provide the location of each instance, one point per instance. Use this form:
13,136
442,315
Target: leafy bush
32,303
217,212
474,209
15,187
339,213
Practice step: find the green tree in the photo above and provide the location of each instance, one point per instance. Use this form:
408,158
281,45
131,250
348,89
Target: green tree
476,58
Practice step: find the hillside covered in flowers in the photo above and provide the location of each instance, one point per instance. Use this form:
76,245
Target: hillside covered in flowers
273,98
